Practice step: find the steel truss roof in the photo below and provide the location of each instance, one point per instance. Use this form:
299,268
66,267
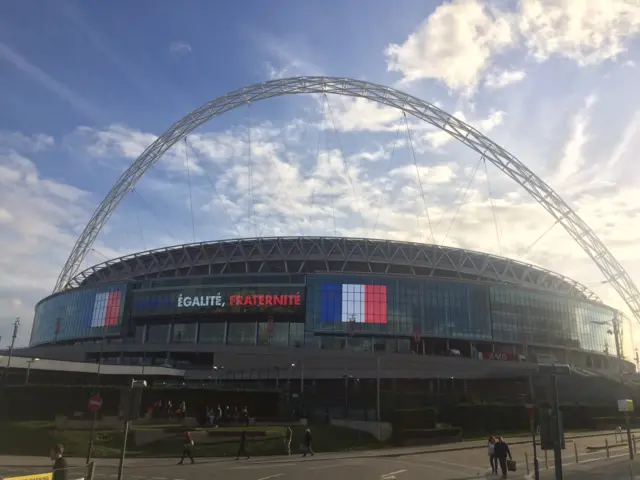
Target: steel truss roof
327,254
614,273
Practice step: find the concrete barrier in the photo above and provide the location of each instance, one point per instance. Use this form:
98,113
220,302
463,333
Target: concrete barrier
380,430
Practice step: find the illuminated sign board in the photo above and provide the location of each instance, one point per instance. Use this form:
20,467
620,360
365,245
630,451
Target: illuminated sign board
354,303
225,299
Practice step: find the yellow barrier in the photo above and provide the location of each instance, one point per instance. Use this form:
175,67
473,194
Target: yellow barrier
37,476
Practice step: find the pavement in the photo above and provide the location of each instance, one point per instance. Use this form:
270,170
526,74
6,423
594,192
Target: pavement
399,464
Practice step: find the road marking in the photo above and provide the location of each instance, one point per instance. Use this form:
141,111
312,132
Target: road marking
271,476
424,465
392,474
332,465
263,465
460,465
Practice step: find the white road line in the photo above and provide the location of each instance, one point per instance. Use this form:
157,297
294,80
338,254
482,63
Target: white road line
262,465
460,465
331,465
391,474
271,476
424,465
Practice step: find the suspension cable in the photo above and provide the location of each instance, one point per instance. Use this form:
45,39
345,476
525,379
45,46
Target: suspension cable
286,194
134,190
461,203
493,207
217,194
313,182
251,219
141,230
344,160
383,190
528,249
186,162
415,162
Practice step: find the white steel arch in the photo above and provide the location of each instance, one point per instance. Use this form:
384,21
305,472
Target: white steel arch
613,271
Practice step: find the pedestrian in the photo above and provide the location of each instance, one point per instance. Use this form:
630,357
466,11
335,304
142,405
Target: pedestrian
288,435
60,465
493,461
242,448
501,451
307,445
187,450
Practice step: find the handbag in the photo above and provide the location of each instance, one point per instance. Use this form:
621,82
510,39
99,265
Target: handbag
511,465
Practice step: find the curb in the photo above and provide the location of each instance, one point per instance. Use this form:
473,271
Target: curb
460,448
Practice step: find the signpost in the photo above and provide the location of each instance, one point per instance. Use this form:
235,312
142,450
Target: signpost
626,406
95,403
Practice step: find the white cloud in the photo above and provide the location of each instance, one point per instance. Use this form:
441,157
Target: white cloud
40,220
458,43
453,45
180,47
502,78
586,31
49,83
19,141
573,158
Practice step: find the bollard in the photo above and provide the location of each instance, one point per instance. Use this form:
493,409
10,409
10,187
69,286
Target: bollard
526,461
91,471
575,449
546,460
606,446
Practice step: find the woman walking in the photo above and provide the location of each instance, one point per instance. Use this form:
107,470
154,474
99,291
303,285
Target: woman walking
493,461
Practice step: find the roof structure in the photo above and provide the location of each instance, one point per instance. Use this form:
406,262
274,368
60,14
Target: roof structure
305,255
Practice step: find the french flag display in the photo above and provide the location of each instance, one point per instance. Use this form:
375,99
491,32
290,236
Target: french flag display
106,309
354,303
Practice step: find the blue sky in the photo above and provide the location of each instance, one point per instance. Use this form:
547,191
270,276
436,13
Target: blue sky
86,86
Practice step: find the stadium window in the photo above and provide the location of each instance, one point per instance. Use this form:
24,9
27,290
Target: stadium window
211,333
241,333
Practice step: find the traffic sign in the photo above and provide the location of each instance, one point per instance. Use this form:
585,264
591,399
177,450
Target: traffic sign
95,403
530,408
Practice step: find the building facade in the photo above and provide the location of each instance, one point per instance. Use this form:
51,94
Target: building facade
326,294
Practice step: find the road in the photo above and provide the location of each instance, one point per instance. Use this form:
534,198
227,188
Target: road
379,465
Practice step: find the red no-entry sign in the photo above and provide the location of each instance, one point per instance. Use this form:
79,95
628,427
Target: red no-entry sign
95,403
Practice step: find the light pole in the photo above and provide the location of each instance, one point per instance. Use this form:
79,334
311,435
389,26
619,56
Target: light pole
135,387
29,362
16,324
378,388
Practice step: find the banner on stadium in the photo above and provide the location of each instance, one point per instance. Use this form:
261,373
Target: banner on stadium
224,299
354,303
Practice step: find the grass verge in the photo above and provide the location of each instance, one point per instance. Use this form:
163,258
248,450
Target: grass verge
36,438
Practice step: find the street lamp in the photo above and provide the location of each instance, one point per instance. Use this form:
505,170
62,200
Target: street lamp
615,324
135,393
29,362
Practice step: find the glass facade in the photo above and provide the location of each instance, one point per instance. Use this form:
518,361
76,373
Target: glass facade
361,312
409,306
451,310
82,313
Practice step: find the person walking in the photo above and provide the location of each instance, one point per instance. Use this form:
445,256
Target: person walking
501,451
60,465
242,448
187,450
307,445
493,461
288,436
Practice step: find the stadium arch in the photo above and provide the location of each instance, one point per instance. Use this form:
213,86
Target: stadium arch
583,235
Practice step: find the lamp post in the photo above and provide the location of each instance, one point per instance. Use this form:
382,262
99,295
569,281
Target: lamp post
135,387
29,362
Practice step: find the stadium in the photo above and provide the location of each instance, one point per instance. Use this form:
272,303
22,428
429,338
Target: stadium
168,306
328,323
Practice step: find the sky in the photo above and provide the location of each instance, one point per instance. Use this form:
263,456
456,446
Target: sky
85,87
